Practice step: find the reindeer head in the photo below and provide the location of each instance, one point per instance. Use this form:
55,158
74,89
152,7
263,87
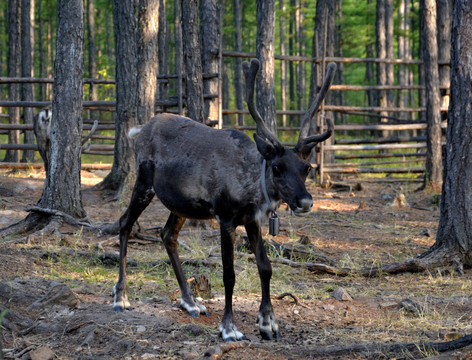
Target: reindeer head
287,168
45,116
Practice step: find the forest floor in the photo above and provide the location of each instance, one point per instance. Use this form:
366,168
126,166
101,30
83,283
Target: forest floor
58,289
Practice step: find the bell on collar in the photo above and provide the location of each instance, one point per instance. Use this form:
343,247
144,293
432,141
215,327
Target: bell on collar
274,224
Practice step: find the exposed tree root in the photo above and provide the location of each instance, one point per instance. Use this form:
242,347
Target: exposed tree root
413,350
32,223
67,218
42,222
437,258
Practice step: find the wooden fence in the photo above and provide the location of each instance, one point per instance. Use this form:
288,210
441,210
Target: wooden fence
358,147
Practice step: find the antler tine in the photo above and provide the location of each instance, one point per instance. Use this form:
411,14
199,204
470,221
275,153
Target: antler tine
250,73
316,104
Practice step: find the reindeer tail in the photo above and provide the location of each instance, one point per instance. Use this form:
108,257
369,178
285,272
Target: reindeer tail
133,132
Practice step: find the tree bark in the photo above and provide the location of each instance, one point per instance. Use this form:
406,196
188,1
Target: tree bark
110,52
444,25
265,91
225,93
389,68
455,223
404,52
14,56
238,69
339,98
323,45
42,53
210,18
124,17
369,71
62,186
2,64
381,49
192,60
163,50
92,62
283,64
178,53
27,46
301,71
148,18
291,72
433,173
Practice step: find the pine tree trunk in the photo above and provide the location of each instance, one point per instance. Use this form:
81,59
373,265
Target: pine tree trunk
210,18
444,22
339,98
455,223
369,70
225,94
2,64
110,52
50,57
265,91
291,72
323,45
178,53
62,185
283,64
301,72
148,18
27,46
124,17
403,53
381,49
92,62
162,91
42,54
433,173
238,69
14,56
192,61
389,68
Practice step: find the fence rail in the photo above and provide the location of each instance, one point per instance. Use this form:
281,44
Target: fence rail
358,148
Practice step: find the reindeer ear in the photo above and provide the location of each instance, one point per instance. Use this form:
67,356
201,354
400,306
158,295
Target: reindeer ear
304,151
267,150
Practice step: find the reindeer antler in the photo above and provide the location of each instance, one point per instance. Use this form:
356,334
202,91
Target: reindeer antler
303,139
250,73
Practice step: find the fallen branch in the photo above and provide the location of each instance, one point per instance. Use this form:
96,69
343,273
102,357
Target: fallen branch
295,299
218,351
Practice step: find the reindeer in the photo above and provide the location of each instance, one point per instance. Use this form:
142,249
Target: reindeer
199,173
42,131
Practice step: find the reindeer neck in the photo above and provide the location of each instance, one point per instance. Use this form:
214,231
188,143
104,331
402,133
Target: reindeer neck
269,198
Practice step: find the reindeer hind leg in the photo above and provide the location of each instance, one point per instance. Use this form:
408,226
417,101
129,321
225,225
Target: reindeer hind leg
141,197
169,237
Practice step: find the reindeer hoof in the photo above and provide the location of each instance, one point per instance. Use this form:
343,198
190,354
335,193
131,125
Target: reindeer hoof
268,327
121,302
231,333
118,308
194,309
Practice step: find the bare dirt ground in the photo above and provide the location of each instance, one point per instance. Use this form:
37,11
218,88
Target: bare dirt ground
58,288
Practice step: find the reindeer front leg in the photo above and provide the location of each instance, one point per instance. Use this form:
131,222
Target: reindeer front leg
228,330
268,326
141,197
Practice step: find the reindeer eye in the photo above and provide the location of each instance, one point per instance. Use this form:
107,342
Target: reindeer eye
308,169
276,170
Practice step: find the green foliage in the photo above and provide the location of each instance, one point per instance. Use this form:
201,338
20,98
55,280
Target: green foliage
356,24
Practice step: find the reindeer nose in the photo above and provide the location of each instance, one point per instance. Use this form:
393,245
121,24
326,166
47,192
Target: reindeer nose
304,204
